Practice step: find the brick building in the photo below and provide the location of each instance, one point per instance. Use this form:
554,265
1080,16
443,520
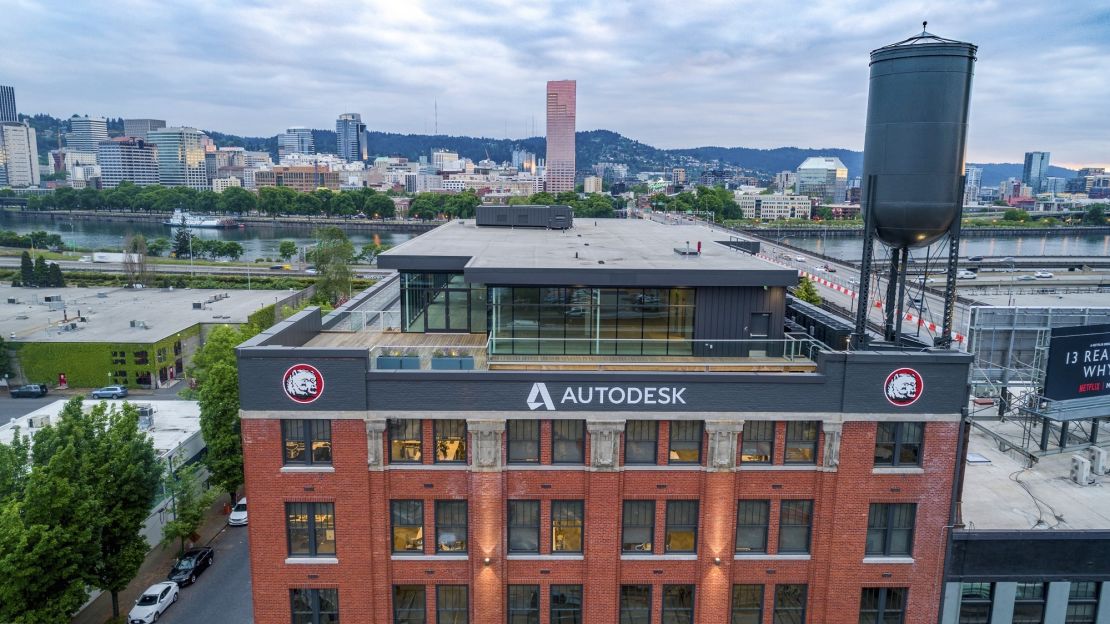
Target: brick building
603,425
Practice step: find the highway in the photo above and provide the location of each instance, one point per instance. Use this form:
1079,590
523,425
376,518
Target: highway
259,270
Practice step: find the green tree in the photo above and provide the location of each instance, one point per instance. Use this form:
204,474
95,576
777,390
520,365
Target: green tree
219,348
219,424
542,198
379,206
54,275
26,269
14,465
183,241
1014,214
41,273
1095,215
238,200
158,246
189,502
462,205
287,249
806,291
333,256
371,251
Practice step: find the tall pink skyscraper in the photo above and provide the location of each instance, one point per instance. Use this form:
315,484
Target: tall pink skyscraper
560,135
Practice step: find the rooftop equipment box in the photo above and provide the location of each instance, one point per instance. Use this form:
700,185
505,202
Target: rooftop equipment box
550,217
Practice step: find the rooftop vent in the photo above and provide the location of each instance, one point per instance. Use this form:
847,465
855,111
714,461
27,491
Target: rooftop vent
549,217
688,250
38,422
140,325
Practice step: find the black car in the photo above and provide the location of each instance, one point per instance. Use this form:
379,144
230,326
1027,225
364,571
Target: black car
191,565
32,391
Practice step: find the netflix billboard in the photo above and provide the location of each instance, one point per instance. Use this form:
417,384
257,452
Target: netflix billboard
1078,363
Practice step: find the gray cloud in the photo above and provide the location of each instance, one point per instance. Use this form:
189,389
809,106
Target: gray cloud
759,74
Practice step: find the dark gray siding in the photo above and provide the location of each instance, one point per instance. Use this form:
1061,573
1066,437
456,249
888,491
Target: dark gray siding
292,332
1032,556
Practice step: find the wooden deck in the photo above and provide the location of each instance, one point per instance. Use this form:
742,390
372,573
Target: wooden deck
370,339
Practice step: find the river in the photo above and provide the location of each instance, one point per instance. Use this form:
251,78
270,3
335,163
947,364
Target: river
1055,244
258,241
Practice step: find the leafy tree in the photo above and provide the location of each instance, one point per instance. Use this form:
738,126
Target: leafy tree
1095,215
232,249
806,291
545,199
219,348
41,273
379,206
219,423
371,251
426,206
238,200
158,246
189,502
332,255
308,204
1014,214
134,259
287,249
14,464
462,205
26,269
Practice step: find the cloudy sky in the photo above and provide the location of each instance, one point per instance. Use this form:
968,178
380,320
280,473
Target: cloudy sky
670,73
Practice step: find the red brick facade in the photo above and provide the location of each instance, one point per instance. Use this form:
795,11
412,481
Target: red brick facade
835,571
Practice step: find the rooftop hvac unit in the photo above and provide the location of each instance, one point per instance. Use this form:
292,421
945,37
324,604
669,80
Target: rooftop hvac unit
13,300
197,305
146,421
102,295
1081,470
140,325
38,422
1097,457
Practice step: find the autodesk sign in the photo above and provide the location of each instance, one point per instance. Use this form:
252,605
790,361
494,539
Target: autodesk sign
539,396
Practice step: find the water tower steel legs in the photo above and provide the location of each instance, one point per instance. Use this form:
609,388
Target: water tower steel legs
945,337
859,336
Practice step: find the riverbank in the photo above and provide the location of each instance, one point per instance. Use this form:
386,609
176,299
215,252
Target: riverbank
258,221
820,231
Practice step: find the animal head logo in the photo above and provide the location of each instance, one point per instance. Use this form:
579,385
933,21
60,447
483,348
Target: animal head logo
303,383
903,387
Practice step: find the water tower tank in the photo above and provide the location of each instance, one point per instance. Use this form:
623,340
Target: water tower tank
917,109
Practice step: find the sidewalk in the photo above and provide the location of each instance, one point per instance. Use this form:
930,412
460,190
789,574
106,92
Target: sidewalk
154,569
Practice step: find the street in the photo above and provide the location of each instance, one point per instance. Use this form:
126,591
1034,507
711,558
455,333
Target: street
222,595
10,408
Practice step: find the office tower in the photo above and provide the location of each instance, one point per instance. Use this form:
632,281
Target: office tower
86,133
297,140
560,135
823,177
785,180
138,128
1035,170
445,160
8,111
592,184
180,157
19,155
524,161
678,175
973,179
127,158
350,137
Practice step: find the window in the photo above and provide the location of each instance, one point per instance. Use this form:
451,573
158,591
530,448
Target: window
310,529
524,441
751,525
140,358
119,357
299,435
975,603
795,522
678,604
790,604
890,529
635,604
759,442
524,604
899,444
566,604
524,526
450,441
801,442
682,526
408,604
1082,603
882,605
641,440
566,526
567,438
1029,603
407,518
450,526
406,441
315,606
638,527
747,604
452,604
685,442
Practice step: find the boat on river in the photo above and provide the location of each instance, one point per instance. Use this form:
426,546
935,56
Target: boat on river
180,218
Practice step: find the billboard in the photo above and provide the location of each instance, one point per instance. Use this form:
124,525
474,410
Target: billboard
1078,363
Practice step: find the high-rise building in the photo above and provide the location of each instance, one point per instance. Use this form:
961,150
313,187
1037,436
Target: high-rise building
785,180
592,184
8,111
823,177
973,179
561,108
128,159
19,155
86,133
180,157
296,140
445,160
140,127
351,138
1035,170
678,175
524,161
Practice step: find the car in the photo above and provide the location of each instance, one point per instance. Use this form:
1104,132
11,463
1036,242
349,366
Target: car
191,565
310,271
109,392
28,391
830,269
153,602
799,258
975,259
281,267
238,515
1042,275
921,279
1025,278
962,274
853,281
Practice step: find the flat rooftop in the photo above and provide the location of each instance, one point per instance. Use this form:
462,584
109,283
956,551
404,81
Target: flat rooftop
603,252
1023,298
174,422
1003,494
108,312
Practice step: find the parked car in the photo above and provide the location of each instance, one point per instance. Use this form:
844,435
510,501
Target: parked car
1042,275
28,391
109,392
238,515
194,562
153,603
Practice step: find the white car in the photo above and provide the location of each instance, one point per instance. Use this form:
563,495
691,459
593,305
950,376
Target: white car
1042,275
800,258
921,279
966,275
153,603
1025,278
238,515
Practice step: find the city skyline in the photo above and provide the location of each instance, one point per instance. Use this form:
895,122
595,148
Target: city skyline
725,77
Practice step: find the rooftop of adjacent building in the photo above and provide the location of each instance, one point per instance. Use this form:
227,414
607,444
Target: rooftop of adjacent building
1094,297
108,312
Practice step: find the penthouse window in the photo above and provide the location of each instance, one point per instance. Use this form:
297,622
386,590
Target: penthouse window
795,526
758,442
682,527
882,605
524,526
1082,603
635,604
408,604
406,441
747,604
890,529
899,444
310,529
975,603
801,442
685,443
450,527
790,604
566,526
678,604
638,527
523,441
297,436
452,604
566,604
641,441
591,321
567,441
407,519
442,302
314,606
524,604
751,526
1029,603
450,438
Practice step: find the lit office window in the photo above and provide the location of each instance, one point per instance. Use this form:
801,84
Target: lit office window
406,441
297,436
310,529
685,438
795,526
758,442
882,605
524,526
890,529
450,436
641,441
407,518
523,441
638,527
682,527
801,442
566,526
450,527
752,518
899,444
747,604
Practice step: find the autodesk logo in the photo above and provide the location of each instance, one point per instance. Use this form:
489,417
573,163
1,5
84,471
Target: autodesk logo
606,395
540,396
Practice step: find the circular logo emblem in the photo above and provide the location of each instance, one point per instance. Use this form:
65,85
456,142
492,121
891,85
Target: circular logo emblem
903,387
303,383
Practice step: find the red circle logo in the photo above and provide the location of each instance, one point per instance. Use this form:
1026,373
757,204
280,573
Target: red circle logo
903,387
303,383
